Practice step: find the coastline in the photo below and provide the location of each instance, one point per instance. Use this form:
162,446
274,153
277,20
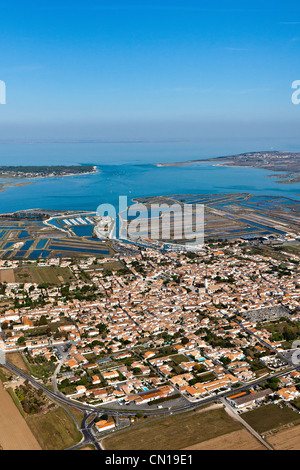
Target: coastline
95,170
4,186
285,175
24,181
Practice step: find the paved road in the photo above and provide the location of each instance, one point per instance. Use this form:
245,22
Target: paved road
88,409
64,355
124,411
87,433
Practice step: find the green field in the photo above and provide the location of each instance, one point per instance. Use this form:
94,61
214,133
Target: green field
40,275
269,417
175,432
294,249
206,378
110,266
54,430
178,358
267,252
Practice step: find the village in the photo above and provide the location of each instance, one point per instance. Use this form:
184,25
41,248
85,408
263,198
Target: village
165,330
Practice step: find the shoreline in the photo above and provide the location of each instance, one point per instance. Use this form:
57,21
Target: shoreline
14,178
20,181
284,176
4,186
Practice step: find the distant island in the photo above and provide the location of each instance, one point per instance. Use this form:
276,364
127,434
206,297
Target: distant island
26,172
286,162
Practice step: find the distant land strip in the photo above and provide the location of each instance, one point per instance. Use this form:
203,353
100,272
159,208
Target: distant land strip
30,171
288,163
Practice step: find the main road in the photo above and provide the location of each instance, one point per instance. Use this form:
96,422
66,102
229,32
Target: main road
98,411
89,410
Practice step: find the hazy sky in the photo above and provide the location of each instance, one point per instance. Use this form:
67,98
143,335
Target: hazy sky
149,69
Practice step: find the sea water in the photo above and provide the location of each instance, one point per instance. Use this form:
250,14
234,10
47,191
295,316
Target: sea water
130,169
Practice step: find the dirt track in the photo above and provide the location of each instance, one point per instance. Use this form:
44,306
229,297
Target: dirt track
14,432
236,440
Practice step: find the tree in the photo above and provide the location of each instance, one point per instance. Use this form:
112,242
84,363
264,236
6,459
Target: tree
200,368
273,383
43,321
102,328
43,285
225,360
289,333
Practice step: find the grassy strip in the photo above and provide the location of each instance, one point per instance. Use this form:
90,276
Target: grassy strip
3,377
16,401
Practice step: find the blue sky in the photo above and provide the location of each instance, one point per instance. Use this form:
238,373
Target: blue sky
148,69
